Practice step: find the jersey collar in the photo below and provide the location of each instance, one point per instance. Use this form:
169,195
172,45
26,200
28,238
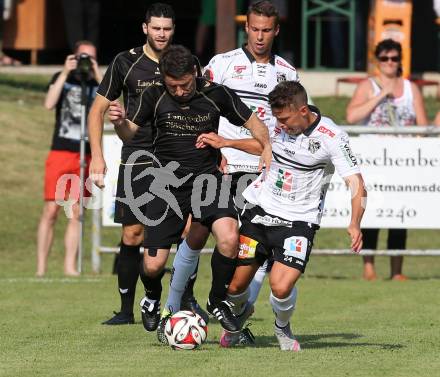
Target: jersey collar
251,57
153,58
308,131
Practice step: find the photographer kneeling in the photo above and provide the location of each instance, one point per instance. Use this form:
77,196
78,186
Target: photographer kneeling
64,95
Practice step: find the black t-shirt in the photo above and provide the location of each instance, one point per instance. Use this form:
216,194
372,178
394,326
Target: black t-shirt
66,136
177,125
130,73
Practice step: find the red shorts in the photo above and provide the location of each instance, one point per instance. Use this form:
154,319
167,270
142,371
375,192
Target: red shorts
61,179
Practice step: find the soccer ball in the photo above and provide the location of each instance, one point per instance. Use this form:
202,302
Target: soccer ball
185,330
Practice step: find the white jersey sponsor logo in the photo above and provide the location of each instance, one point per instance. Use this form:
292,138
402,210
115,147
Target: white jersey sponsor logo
270,221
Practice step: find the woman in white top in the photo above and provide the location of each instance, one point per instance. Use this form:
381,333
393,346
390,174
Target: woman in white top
381,101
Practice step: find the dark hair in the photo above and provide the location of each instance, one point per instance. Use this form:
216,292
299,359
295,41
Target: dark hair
82,43
288,93
264,8
389,45
159,10
176,62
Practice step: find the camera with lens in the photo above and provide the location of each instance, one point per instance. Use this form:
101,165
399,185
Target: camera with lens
84,67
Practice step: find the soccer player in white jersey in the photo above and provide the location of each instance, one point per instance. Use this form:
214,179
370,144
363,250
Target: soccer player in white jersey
252,71
284,205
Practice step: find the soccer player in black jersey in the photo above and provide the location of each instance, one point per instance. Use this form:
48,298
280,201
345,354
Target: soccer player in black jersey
130,73
183,110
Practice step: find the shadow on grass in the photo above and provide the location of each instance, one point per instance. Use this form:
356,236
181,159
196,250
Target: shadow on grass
317,341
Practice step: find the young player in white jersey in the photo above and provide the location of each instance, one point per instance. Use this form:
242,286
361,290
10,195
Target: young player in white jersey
251,71
252,78
284,205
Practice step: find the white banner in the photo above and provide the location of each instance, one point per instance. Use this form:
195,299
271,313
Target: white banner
112,146
402,176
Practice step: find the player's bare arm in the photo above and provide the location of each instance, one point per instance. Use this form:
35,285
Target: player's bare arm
214,140
260,132
98,168
358,204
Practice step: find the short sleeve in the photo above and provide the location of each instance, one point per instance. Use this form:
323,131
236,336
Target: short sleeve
293,75
53,79
113,81
214,70
232,107
342,156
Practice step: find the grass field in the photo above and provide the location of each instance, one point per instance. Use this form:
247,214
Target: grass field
51,326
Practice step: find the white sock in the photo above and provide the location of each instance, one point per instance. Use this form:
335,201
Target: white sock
256,283
239,301
283,307
184,265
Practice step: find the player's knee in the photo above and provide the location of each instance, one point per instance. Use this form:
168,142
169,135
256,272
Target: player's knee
153,270
236,287
133,236
196,238
228,244
280,290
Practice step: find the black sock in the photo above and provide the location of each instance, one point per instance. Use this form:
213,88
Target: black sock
223,269
128,273
189,288
152,285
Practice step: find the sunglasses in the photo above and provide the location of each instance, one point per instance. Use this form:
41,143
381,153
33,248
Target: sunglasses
384,59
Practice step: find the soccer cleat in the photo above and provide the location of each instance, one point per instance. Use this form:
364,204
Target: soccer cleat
222,311
120,318
244,338
229,339
161,337
150,313
286,339
190,303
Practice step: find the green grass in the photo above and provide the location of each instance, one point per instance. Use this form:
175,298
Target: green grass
346,327
51,326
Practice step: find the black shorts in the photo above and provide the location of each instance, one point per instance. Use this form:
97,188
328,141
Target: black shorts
239,182
128,212
263,235
206,199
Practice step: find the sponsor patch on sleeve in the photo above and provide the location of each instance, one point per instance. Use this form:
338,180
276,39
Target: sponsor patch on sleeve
326,131
209,74
348,154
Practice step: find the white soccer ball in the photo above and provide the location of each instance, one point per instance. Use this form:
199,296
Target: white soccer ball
185,330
